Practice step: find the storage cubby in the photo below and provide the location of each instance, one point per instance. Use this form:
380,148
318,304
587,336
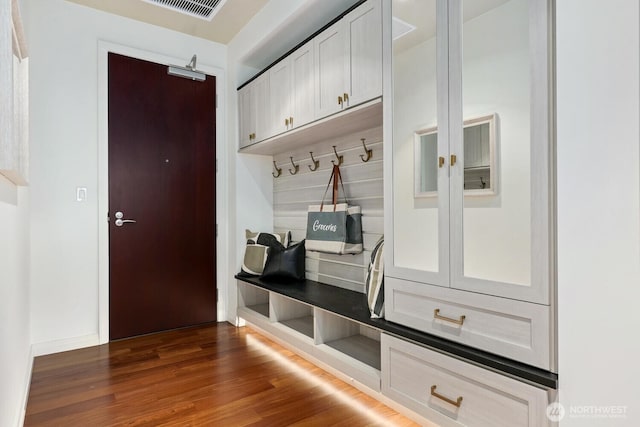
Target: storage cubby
351,347
253,299
293,314
350,338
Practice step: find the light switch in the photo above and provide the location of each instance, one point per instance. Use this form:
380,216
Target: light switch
81,194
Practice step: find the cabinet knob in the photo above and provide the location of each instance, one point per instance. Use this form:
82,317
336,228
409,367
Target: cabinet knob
286,122
291,121
339,100
345,96
440,162
454,158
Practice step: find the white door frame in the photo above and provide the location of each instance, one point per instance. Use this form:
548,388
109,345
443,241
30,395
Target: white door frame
104,48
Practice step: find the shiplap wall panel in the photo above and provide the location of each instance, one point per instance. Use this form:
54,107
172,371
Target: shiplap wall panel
363,184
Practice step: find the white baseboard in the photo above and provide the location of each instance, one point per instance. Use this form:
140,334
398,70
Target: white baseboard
25,393
66,344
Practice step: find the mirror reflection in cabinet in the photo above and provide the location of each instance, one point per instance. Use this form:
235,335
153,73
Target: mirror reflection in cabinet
480,151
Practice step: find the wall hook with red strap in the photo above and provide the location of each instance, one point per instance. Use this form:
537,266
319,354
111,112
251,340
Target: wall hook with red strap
339,157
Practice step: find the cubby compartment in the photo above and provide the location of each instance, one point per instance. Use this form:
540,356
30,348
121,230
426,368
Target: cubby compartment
292,314
253,300
349,346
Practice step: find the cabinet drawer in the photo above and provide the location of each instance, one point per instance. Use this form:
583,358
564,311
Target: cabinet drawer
514,329
454,393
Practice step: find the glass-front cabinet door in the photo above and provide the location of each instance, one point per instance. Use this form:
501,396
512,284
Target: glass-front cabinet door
472,196
420,196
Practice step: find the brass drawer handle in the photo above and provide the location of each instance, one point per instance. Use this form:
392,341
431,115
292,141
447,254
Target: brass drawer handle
440,162
459,321
286,122
455,403
454,159
346,97
339,100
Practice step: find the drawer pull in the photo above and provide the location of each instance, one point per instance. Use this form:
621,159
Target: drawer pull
460,321
455,403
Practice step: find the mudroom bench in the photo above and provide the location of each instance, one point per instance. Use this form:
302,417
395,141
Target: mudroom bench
332,327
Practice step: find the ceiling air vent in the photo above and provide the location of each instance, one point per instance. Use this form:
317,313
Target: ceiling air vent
203,9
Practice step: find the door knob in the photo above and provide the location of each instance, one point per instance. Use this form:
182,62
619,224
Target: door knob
120,221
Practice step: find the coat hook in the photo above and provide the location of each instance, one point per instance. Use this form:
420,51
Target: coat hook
368,152
277,170
316,163
296,168
340,158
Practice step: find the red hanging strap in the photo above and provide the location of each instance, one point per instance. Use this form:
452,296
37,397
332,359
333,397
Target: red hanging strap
335,177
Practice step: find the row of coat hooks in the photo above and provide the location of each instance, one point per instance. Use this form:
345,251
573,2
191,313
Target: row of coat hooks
368,153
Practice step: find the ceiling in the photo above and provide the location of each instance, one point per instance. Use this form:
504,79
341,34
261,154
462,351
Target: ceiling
229,19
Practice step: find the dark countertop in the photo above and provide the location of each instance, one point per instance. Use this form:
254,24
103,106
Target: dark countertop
353,305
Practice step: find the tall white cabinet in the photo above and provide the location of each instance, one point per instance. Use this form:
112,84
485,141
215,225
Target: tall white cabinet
478,270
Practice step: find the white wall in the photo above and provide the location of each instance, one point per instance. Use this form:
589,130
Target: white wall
15,360
63,39
250,184
598,208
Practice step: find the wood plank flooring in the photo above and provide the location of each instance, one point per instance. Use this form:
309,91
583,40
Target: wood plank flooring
211,375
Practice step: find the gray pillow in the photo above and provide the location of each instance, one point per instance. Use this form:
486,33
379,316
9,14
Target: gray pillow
258,246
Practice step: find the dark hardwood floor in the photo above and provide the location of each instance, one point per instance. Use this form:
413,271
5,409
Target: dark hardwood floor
212,375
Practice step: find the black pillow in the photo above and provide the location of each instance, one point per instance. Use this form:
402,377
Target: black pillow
285,263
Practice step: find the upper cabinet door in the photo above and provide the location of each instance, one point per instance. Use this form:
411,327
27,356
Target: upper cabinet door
502,244
263,120
280,96
246,115
303,86
329,62
363,57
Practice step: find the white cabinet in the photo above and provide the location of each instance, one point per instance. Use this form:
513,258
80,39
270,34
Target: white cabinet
280,96
292,90
254,114
339,68
494,248
450,392
514,329
302,86
349,60
363,66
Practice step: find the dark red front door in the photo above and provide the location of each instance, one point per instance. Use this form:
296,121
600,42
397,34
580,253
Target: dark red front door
162,176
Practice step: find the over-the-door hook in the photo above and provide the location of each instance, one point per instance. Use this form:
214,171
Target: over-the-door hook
367,152
316,163
277,170
296,168
339,157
